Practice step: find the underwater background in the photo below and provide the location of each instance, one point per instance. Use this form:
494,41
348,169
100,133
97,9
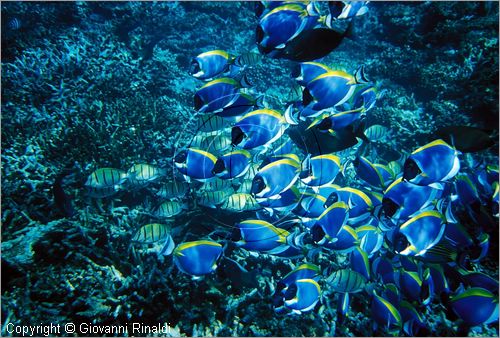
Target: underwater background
90,85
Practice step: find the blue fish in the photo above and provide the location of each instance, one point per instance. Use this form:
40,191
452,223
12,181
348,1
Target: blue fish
359,203
261,236
197,258
345,10
347,240
368,172
216,95
371,239
287,200
320,170
479,279
303,271
410,285
305,72
413,323
476,306
434,162
363,99
403,199
258,128
209,64
281,25
241,104
385,314
195,163
420,233
275,177
329,223
232,165
328,90
311,205
331,122
343,303
360,262
384,268
302,296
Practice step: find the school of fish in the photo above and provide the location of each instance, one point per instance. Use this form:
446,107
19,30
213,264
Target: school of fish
302,182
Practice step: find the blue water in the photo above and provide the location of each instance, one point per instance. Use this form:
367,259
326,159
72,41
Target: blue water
92,85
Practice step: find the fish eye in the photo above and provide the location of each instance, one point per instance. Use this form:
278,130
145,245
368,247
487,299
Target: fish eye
389,207
411,170
181,157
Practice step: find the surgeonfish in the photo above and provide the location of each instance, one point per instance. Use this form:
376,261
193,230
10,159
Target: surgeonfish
302,296
419,233
216,95
282,24
402,199
345,10
173,189
321,170
371,239
359,203
232,164
197,258
105,178
360,262
347,240
195,163
275,178
328,90
347,281
368,172
261,236
140,175
151,233
385,314
476,306
329,223
210,64
376,132
212,199
305,72
257,128
433,162
169,209
313,44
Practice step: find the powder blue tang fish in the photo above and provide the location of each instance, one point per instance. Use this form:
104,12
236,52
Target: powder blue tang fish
258,128
321,170
216,95
433,162
275,177
302,296
305,72
195,163
420,233
197,258
328,90
261,236
233,164
209,64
